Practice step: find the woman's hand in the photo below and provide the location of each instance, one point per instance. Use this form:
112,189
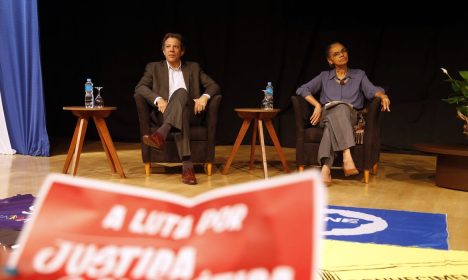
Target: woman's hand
315,118
384,101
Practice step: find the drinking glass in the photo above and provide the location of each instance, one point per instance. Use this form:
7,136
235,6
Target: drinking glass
98,101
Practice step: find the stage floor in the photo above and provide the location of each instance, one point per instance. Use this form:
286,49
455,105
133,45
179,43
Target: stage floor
404,182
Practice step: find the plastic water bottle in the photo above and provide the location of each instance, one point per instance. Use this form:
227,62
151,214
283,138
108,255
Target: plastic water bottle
267,103
89,96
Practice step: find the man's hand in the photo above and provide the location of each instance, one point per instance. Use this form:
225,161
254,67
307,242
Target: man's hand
315,118
162,104
200,104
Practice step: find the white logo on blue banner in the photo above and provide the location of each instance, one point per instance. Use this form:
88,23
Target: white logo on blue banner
365,223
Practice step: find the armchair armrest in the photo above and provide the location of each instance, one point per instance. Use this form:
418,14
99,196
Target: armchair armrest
372,132
302,112
144,111
211,122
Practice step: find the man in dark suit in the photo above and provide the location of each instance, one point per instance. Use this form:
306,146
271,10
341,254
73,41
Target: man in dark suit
175,89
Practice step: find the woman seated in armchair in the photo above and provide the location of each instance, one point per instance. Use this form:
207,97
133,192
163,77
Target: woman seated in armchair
350,87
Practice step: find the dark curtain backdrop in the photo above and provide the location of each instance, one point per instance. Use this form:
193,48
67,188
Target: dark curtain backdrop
243,45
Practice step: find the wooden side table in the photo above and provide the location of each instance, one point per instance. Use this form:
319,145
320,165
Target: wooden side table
76,145
451,165
260,116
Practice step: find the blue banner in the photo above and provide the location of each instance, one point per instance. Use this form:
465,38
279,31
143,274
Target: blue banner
403,228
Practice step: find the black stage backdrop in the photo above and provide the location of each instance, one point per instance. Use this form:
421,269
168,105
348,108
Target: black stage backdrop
243,45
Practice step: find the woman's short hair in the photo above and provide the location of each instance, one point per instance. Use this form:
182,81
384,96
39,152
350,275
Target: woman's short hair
327,51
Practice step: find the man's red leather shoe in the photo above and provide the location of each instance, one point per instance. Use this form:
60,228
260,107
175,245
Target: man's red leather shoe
188,177
155,140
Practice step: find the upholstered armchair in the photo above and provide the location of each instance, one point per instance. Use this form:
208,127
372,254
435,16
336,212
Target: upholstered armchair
202,136
365,155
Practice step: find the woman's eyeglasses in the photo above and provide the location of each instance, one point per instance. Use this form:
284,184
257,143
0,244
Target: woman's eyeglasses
336,54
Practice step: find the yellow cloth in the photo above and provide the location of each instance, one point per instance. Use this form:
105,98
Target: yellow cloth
363,261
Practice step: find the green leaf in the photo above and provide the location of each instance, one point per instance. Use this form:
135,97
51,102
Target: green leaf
463,110
456,85
455,100
459,94
464,89
464,74
450,100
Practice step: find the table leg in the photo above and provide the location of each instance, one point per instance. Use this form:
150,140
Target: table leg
253,144
71,149
105,136
240,137
262,145
271,131
83,125
106,150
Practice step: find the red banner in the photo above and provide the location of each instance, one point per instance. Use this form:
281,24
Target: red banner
88,229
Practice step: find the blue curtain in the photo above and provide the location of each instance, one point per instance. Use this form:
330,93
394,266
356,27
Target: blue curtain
21,77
